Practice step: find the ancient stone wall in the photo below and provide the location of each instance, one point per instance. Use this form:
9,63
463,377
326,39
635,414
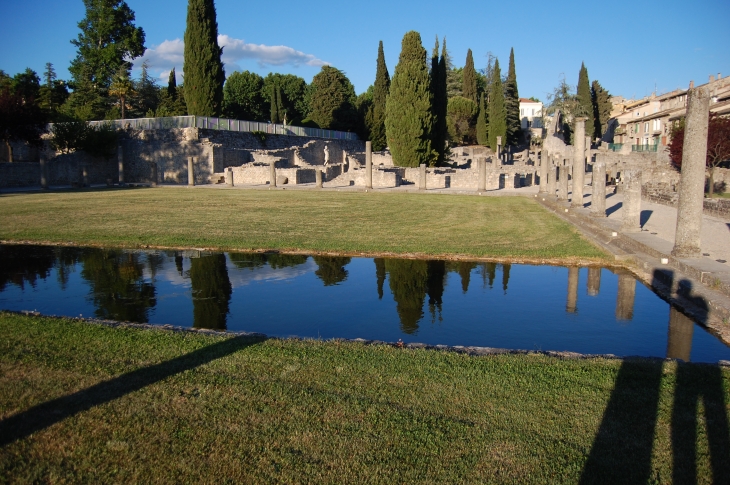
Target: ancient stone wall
64,169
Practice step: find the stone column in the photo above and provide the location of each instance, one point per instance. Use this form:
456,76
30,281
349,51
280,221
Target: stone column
594,281
191,172
229,176
120,161
422,178
563,181
692,181
544,161
625,296
85,176
44,171
368,165
579,162
681,331
552,178
631,220
598,199
572,305
318,177
272,174
499,148
482,164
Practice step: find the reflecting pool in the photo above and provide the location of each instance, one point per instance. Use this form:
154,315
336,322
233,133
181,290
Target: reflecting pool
587,310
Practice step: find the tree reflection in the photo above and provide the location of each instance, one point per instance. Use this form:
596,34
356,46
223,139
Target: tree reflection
25,264
66,261
435,287
258,260
118,288
380,275
331,269
211,291
505,276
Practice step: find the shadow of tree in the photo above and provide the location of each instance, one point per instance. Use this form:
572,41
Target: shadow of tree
51,412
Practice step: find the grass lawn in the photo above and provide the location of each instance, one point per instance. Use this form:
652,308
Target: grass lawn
428,225
87,403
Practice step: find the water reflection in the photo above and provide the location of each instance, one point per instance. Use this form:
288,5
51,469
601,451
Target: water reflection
427,301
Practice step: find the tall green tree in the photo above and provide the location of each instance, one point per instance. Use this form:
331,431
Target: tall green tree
462,113
274,105
482,127
332,102
409,116
439,101
172,84
293,100
512,103
376,116
242,97
146,96
585,102
469,79
122,88
601,108
108,40
53,92
563,100
497,110
204,74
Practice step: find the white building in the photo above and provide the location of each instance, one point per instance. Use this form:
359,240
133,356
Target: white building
530,113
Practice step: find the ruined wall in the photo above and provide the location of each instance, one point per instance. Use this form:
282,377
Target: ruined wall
64,169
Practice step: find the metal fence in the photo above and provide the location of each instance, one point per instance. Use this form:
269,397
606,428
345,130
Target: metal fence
225,125
644,148
615,147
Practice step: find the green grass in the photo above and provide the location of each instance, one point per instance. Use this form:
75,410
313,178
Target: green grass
429,225
85,403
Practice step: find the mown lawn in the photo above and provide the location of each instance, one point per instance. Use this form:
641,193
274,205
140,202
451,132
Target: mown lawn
86,403
370,223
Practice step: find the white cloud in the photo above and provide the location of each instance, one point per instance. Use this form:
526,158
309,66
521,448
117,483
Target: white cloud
162,58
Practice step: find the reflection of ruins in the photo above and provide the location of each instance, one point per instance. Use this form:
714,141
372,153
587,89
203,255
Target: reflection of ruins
572,304
681,329
625,296
594,281
211,290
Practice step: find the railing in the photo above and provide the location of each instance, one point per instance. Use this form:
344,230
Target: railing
644,148
224,124
615,147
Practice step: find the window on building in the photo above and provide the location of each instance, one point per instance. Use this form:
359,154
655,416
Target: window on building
646,127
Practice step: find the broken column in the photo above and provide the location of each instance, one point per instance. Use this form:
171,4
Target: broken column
422,177
631,207
191,172
85,176
44,171
229,176
594,281
543,171
625,296
368,165
552,178
579,163
272,174
563,180
318,177
598,197
572,305
120,161
482,184
692,180
499,148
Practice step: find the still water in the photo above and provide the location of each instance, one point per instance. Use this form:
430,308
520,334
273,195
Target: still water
587,310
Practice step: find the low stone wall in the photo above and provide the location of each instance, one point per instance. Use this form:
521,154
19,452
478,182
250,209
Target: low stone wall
61,170
662,194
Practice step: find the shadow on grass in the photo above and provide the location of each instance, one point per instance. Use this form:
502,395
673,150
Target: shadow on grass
43,415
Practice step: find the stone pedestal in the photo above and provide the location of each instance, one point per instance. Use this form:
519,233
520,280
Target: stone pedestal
572,304
563,181
681,331
579,163
229,177
631,208
594,281
120,161
625,297
692,181
272,174
191,172
544,162
552,179
318,177
482,184
422,177
368,165
499,149
44,172
598,199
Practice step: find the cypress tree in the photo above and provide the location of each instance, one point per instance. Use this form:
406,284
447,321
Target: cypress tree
204,74
497,111
469,89
380,95
512,103
172,84
585,103
409,114
482,129
439,102
275,104
601,108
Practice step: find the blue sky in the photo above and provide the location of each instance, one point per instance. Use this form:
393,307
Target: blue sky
630,48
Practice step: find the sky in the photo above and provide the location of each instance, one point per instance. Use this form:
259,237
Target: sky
631,49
